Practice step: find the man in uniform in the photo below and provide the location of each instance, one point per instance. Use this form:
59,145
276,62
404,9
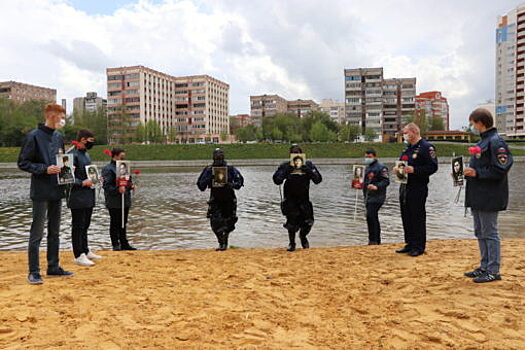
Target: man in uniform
222,210
422,162
296,205
487,193
374,190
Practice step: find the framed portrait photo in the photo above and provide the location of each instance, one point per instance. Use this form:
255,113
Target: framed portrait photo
92,173
67,172
358,177
457,171
123,169
401,176
297,160
220,176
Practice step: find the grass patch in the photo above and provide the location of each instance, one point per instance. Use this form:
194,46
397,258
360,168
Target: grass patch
257,151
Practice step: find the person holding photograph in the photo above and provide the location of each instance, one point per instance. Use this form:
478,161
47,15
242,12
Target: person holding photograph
113,194
422,163
487,193
222,206
82,199
297,207
38,157
374,190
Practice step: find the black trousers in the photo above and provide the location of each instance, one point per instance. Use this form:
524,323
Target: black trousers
80,221
116,232
372,220
223,216
414,215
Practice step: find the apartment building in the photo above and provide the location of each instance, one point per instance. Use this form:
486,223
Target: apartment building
335,109
194,108
20,92
434,105
379,104
510,73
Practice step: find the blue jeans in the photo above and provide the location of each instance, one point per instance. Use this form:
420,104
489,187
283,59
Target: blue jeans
486,230
43,210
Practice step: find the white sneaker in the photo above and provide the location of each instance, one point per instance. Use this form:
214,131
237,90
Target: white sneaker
92,255
83,260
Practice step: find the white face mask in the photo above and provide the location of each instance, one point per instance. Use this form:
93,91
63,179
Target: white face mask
405,138
60,124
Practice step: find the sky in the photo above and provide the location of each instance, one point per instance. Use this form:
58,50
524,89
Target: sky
294,48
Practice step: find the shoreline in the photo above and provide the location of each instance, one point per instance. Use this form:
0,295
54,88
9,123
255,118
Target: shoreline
357,297
149,164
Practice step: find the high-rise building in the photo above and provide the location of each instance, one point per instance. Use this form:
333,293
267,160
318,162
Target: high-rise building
434,105
239,121
301,107
20,92
90,103
195,108
510,72
378,104
336,110
266,106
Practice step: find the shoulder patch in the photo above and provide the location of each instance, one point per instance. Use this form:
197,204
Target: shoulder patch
503,158
502,150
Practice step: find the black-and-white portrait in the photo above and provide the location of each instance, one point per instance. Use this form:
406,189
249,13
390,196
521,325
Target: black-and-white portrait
65,163
358,177
123,169
92,173
457,171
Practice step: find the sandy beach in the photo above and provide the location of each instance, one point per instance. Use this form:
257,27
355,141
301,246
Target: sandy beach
363,297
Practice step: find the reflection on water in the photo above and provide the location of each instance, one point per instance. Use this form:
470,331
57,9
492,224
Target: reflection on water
169,211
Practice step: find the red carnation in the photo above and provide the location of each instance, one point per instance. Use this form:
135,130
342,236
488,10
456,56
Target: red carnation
108,152
137,172
74,143
404,157
474,150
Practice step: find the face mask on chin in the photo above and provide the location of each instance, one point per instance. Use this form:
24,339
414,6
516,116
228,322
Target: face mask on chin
61,123
405,138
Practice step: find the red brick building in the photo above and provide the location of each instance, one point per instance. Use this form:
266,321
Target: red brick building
434,105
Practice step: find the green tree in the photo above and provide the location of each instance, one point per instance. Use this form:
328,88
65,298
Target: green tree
349,132
370,134
436,123
320,132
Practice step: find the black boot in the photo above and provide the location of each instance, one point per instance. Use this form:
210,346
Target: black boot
225,240
220,239
291,237
302,234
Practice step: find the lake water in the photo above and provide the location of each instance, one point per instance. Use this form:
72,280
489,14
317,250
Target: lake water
169,212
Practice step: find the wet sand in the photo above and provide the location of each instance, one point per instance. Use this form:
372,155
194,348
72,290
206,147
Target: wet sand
325,298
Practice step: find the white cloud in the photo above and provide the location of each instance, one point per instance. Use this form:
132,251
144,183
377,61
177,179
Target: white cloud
294,48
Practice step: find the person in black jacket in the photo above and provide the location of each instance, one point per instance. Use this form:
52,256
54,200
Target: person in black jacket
82,199
38,157
422,163
374,190
296,206
222,206
487,193
113,194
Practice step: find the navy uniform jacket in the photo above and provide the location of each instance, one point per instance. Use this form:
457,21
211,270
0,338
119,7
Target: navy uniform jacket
489,190
422,156
297,186
38,152
235,181
81,197
376,174
113,196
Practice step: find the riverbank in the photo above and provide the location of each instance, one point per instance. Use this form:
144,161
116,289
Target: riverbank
255,151
363,297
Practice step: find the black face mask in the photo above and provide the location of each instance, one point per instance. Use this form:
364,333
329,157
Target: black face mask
89,144
218,160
